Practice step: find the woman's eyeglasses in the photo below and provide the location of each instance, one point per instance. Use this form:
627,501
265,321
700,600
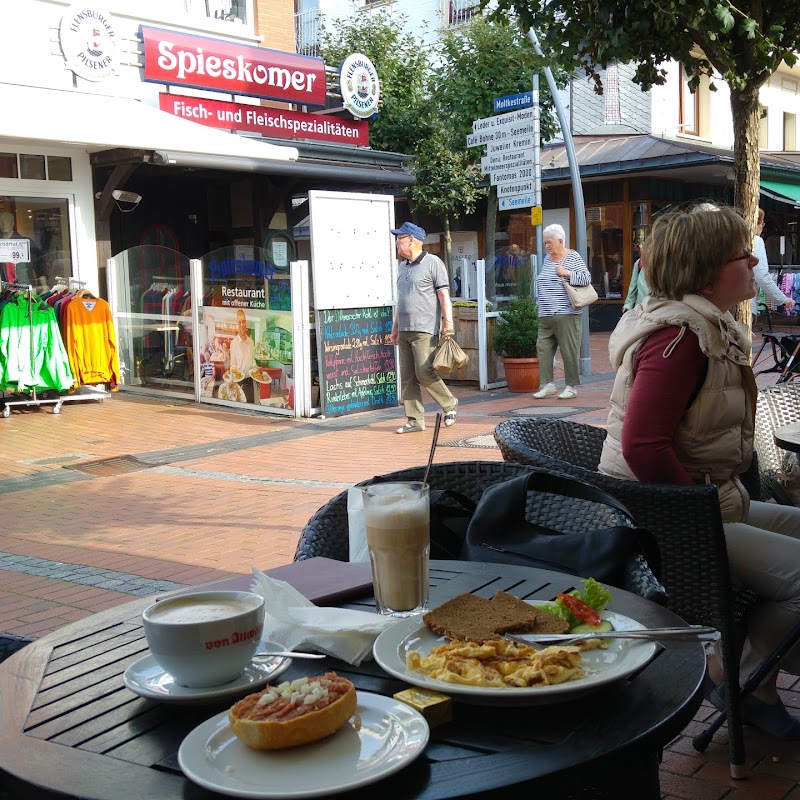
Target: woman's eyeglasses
748,254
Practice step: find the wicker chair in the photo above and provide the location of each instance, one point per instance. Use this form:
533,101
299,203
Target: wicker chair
326,533
776,406
686,522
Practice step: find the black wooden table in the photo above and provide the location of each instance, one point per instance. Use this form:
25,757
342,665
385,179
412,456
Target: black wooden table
70,725
787,437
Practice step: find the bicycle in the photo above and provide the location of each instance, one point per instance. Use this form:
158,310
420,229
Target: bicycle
785,349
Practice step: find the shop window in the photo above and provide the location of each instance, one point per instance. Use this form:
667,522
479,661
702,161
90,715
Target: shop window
59,168
789,131
44,223
604,236
31,167
689,109
515,245
8,165
640,226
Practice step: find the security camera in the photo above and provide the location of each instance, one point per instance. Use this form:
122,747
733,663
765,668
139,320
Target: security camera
126,197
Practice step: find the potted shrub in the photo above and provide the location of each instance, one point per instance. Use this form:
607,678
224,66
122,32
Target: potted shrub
515,341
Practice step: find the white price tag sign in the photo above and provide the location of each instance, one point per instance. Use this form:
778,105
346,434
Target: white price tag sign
15,250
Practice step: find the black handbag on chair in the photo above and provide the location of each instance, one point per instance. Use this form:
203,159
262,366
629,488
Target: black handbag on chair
499,530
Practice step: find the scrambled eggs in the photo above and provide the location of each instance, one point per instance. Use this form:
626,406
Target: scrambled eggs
498,663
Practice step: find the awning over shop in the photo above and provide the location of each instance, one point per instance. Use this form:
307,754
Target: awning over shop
783,192
100,122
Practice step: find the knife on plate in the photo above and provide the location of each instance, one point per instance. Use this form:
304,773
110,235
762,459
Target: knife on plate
691,632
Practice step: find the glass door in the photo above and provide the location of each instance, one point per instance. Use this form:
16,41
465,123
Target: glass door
150,295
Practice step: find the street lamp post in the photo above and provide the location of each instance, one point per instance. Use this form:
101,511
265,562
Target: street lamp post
577,194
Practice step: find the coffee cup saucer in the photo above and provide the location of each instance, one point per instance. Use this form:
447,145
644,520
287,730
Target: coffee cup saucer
147,679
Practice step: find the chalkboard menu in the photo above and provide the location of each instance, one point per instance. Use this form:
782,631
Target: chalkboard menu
357,369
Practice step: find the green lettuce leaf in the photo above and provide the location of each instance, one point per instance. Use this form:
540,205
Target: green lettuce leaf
593,595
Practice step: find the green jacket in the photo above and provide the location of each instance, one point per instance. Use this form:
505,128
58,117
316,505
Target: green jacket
32,354
637,290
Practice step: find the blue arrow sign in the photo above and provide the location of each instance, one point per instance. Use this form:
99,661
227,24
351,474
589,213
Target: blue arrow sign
513,101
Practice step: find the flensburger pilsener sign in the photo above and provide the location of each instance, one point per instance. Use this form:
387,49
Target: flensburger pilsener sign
88,41
361,89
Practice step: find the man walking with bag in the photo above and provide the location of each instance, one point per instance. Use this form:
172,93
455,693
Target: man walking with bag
423,303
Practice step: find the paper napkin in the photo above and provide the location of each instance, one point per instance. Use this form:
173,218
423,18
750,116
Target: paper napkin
293,622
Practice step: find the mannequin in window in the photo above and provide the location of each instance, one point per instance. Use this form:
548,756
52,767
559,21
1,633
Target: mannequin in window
8,269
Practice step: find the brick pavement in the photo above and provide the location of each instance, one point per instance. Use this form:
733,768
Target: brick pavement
214,492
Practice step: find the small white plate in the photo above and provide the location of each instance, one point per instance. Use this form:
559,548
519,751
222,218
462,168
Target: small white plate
600,666
390,736
147,679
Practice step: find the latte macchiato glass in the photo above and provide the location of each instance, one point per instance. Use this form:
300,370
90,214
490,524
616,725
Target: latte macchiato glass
205,638
397,521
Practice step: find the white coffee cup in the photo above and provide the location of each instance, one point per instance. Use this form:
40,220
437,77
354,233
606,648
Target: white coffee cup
205,638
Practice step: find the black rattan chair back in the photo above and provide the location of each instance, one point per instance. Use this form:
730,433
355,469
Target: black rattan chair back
326,533
685,520
776,406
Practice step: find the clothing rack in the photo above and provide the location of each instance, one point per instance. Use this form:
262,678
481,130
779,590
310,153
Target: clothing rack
34,400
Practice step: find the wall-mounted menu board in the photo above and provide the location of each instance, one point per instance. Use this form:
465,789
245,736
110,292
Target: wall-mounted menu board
357,370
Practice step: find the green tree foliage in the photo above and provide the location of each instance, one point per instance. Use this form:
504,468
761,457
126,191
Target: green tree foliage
744,42
449,181
478,62
401,61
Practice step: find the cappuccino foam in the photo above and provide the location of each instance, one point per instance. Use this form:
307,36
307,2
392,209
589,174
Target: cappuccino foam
191,610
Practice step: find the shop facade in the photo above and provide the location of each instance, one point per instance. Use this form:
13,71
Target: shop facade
626,181
166,162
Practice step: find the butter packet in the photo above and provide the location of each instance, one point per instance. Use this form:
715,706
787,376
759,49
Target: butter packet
437,708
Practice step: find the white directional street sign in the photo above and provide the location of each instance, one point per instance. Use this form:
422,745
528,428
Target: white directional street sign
504,161
504,177
509,159
517,187
525,200
500,135
521,117
510,145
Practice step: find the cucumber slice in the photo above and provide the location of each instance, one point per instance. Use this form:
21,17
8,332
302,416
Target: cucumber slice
604,627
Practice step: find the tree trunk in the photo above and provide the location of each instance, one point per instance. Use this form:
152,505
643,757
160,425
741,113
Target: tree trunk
747,168
491,229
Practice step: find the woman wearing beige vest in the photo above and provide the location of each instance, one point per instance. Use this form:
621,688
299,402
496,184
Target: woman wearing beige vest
682,411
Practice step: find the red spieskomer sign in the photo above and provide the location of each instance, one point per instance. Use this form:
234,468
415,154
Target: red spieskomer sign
184,60
274,122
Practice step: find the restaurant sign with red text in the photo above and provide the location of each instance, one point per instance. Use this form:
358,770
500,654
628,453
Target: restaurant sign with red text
270,122
181,59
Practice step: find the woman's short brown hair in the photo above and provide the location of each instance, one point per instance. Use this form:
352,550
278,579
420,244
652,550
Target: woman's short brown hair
687,250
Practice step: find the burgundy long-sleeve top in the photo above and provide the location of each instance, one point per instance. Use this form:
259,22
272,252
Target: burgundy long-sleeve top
663,389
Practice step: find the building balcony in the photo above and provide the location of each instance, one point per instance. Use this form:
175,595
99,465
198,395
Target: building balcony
461,11
306,32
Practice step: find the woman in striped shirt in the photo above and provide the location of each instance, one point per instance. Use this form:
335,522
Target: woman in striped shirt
559,320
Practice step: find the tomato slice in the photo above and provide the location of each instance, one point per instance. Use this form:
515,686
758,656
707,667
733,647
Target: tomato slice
580,609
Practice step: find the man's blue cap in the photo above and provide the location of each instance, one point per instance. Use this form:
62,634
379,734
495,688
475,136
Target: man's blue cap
411,229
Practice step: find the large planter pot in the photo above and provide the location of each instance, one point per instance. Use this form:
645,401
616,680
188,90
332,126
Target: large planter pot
465,321
522,374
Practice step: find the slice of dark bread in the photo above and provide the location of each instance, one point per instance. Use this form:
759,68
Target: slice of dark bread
469,617
532,619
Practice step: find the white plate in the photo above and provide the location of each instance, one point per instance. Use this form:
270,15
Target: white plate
391,736
599,666
147,679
